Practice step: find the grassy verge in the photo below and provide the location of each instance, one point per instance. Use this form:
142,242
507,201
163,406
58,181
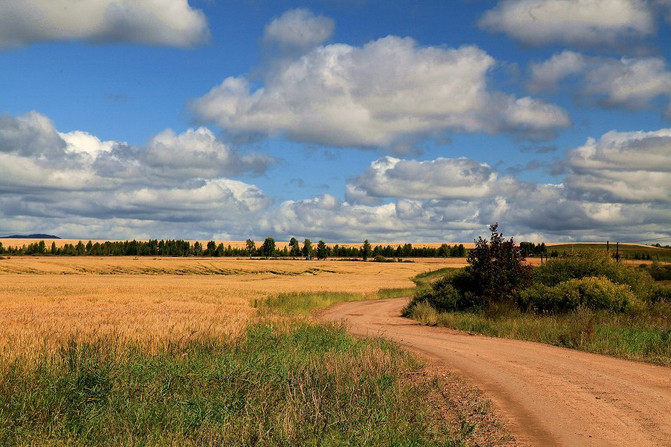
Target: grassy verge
304,303
644,336
289,384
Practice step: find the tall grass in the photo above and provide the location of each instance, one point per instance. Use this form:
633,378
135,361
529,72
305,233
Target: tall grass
299,385
645,336
303,303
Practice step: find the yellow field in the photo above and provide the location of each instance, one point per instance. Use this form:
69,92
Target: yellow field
45,301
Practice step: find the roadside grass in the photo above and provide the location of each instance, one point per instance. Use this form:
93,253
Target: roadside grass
304,303
644,336
292,383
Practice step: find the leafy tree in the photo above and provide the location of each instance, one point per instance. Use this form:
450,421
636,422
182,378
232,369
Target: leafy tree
268,247
496,268
322,250
251,247
294,248
307,249
211,248
443,251
366,250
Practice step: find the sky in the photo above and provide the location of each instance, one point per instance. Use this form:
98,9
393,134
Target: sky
341,120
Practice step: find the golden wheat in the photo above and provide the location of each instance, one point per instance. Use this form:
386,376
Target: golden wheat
46,301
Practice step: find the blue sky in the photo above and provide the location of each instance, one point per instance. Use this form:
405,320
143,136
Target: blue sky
336,120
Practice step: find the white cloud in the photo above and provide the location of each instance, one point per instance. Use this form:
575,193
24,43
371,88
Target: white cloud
198,153
376,95
154,22
627,82
572,22
442,178
50,180
298,29
623,167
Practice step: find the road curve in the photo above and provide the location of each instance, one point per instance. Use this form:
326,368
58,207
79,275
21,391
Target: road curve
548,396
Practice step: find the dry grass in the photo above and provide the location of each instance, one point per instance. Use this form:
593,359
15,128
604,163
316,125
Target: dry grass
45,301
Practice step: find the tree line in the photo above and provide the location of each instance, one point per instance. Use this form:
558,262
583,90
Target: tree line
267,249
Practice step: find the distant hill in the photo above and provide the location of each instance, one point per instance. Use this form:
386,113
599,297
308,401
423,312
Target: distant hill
30,236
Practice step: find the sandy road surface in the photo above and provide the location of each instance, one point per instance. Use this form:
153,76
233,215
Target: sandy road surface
547,395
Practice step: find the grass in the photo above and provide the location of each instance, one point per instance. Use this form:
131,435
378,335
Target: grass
627,251
645,336
304,303
297,384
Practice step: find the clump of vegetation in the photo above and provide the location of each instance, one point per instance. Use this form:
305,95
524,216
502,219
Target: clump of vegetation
659,272
591,292
584,300
302,384
496,273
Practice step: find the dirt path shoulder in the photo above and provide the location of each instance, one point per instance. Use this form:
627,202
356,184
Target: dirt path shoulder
546,395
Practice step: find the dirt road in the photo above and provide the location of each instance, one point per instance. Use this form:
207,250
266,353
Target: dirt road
547,395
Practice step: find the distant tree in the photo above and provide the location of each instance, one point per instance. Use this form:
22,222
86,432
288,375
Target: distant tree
307,249
268,247
366,250
443,251
322,250
211,248
197,249
294,248
251,247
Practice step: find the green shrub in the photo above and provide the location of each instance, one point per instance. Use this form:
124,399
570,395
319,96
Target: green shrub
658,271
593,264
590,292
660,292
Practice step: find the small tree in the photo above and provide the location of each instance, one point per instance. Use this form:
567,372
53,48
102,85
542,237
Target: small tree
496,268
251,247
307,249
322,250
268,247
294,248
366,250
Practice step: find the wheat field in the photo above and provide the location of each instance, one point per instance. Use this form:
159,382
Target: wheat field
155,303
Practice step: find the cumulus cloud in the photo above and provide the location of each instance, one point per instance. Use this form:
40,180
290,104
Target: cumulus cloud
298,30
580,23
53,178
623,167
376,95
442,178
631,83
154,22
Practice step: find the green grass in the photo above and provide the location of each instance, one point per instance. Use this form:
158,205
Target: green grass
626,251
304,303
645,336
304,384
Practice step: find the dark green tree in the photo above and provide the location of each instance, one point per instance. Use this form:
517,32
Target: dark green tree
307,249
294,248
251,247
322,250
496,268
268,247
366,250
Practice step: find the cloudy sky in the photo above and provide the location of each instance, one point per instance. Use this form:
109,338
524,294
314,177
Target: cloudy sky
338,120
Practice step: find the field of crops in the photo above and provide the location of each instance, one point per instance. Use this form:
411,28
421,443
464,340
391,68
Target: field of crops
45,301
